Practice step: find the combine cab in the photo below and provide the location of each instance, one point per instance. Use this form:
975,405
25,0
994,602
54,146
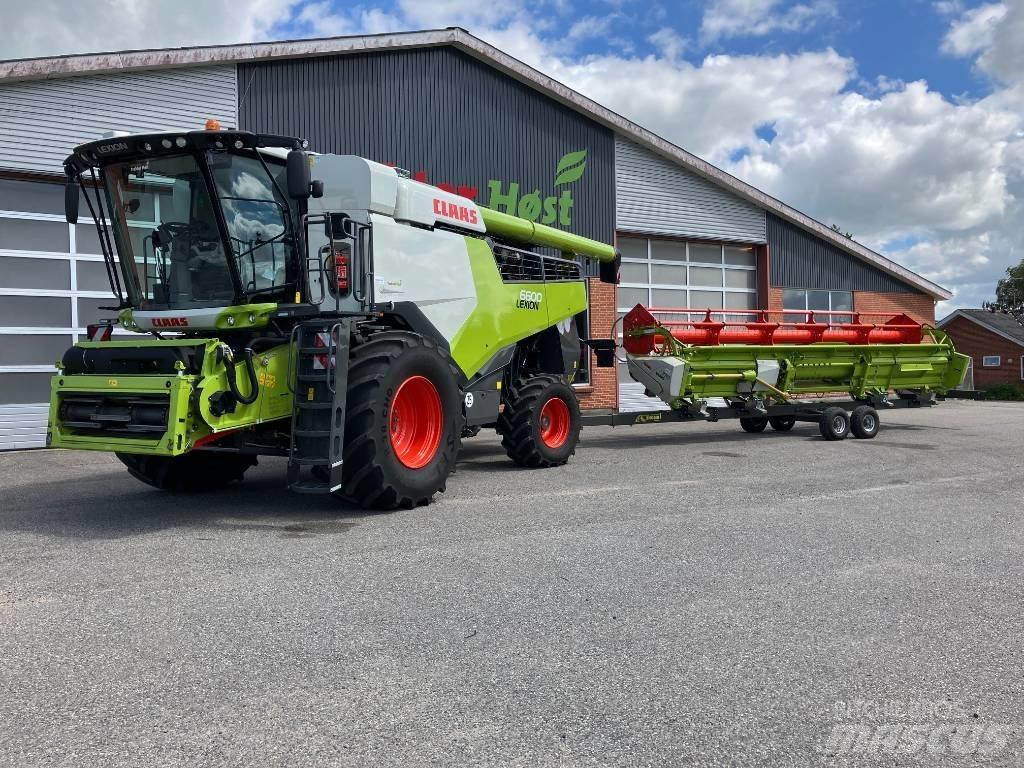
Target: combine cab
319,307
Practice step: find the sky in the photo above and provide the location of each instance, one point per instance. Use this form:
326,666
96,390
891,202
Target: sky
902,121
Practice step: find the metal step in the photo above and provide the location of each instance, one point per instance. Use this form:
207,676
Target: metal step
318,442
311,461
310,487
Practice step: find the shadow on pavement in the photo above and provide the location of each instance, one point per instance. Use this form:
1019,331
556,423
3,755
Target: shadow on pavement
107,503
113,505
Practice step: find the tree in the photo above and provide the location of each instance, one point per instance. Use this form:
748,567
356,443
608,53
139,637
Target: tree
1010,292
847,235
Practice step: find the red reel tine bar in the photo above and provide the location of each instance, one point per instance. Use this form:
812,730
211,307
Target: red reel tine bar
707,327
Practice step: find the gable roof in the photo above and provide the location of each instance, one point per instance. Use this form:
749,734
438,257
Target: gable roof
123,61
999,323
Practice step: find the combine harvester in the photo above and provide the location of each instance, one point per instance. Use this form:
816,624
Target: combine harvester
327,309
744,364
358,322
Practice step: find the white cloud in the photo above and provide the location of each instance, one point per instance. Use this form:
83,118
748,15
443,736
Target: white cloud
908,159
933,183
755,18
1004,58
53,27
320,20
948,7
974,30
590,26
463,13
936,184
668,42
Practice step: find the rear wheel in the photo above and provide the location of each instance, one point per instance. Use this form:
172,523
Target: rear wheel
402,422
864,422
540,425
834,424
196,471
782,423
753,424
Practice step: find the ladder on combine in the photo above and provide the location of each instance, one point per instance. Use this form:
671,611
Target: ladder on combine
319,381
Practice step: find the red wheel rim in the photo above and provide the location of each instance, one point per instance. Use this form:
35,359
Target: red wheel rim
416,422
554,423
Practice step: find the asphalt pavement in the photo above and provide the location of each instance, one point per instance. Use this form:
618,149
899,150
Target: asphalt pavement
676,595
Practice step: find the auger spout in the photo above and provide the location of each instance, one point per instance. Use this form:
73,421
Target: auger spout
528,233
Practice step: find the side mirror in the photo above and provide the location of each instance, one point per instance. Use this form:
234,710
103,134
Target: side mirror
298,175
71,202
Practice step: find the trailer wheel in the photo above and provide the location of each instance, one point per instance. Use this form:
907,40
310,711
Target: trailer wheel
782,423
190,472
540,424
753,424
403,422
864,422
834,424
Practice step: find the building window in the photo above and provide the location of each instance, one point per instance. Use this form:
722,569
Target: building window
991,361
679,274
818,302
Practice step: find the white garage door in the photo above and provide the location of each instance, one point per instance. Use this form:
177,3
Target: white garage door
52,284
667,273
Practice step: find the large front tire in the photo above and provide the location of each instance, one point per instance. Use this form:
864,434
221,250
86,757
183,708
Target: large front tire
402,422
190,472
540,425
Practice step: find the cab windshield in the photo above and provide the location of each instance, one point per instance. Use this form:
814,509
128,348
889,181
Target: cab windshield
169,240
257,218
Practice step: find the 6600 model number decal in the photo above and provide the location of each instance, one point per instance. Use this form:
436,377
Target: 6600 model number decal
529,300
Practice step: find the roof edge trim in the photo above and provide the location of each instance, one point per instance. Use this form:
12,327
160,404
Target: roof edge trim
48,68
960,313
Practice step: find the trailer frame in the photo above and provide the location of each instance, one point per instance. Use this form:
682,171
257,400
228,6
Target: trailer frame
812,411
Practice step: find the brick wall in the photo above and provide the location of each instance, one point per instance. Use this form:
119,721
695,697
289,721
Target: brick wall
971,339
603,391
919,306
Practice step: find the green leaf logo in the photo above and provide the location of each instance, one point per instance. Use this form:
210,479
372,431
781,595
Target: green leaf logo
571,167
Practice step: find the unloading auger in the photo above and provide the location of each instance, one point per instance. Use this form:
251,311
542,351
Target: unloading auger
747,364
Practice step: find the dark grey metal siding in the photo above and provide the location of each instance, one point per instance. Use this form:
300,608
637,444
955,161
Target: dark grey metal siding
439,111
801,260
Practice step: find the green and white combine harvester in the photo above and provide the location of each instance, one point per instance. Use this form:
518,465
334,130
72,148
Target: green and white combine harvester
328,309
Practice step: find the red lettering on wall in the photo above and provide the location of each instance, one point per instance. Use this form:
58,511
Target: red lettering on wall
462,190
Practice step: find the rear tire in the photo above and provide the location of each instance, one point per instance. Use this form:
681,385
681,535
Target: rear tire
540,425
782,423
403,421
190,472
753,424
834,424
864,422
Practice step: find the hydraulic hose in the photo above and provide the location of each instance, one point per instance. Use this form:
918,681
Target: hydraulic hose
250,367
